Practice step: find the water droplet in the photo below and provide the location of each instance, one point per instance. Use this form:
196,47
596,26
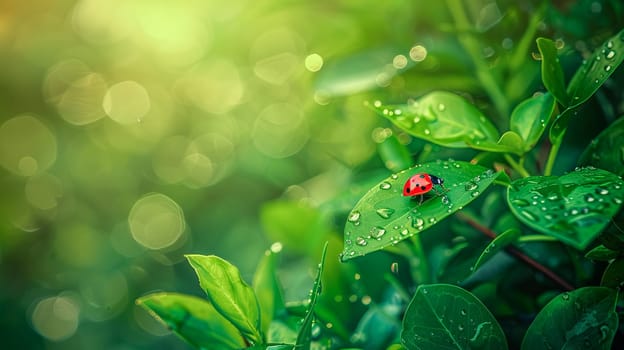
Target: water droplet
565,296
404,232
432,220
609,44
424,291
394,176
553,196
418,223
602,191
377,103
394,267
589,198
354,216
463,312
377,232
470,186
398,112
441,107
574,212
607,68
617,201
385,185
476,193
416,120
610,55
528,215
445,200
520,202
361,241
385,213
427,131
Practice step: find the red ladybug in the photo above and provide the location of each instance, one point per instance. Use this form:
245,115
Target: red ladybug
420,184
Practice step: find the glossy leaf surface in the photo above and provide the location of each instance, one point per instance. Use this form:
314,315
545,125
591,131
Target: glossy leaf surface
552,74
530,118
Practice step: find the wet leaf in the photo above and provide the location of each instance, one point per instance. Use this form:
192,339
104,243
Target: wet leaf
229,294
445,119
552,74
499,243
305,332
194,320
395,156
581,319
530,118
602,253
574,208
384,217
268,290
606,151
444,316
613,276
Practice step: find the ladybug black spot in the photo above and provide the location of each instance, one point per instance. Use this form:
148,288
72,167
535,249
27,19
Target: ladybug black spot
423,188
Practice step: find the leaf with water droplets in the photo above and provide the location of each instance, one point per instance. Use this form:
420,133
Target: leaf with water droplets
229,294
444,316
582,319
384,217
445,119
304,336
574,207
496,245
606,151
194,320
552,74
530,117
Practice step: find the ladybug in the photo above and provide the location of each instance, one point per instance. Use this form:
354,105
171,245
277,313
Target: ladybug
420,184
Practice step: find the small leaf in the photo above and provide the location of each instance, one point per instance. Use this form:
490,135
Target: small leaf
499,243
442,118
596,70
510,140
194,320
602,253
574,208
613,276
530,117
384,216
606,151
552,74
305,332
229,294
444,316
395,156
267,290
581,319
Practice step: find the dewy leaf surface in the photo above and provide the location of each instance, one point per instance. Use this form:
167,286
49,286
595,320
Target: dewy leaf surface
552,74
443,118
444,316
581,319
573,208
229,294
385,217
193,319
530,117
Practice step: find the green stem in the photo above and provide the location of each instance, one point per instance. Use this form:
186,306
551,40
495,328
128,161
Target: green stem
472,46
522,49
418,261
517,167
552,155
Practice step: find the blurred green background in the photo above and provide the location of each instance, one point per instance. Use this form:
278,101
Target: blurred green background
134,131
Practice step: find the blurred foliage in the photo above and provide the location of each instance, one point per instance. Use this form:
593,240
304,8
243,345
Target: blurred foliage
133,132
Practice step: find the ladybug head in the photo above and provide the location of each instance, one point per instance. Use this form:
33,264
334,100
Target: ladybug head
437,180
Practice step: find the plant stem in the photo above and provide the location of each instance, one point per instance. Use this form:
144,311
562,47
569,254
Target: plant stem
518,254
552,155
522,49
517,167
472,46
418,261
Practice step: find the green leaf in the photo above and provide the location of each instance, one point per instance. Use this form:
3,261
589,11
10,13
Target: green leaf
229,294
613,276
606,151
596,70
581,319
194,320
574,208
552,74
444,316
395,156
499,243
268,290
530,117
602,253
442,118
305,332
384,217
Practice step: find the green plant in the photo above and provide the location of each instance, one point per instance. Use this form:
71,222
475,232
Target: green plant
461,287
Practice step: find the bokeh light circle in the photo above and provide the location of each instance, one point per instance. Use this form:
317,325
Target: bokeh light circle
156,221
314,62
43,191
27,146
126,102
56,318
280,130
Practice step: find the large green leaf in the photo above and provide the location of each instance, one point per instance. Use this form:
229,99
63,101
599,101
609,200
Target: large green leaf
573,208
581,319
229,294
607,150
193,319
268,290
552,74
304,337
444,316
384,217
445,119
530,117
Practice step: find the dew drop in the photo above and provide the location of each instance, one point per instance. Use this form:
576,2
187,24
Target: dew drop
377,232
553,196
354,216
445,200
528,215
394,268
574,212
609,44
441,107
610,55
607,68
476,193
617,201
377,103
589,198
416,120
427,132
385,213
385,185
432,220
394,176
418,223
470,186
565,296
602,191
361,241
404,232
463,312
520,202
